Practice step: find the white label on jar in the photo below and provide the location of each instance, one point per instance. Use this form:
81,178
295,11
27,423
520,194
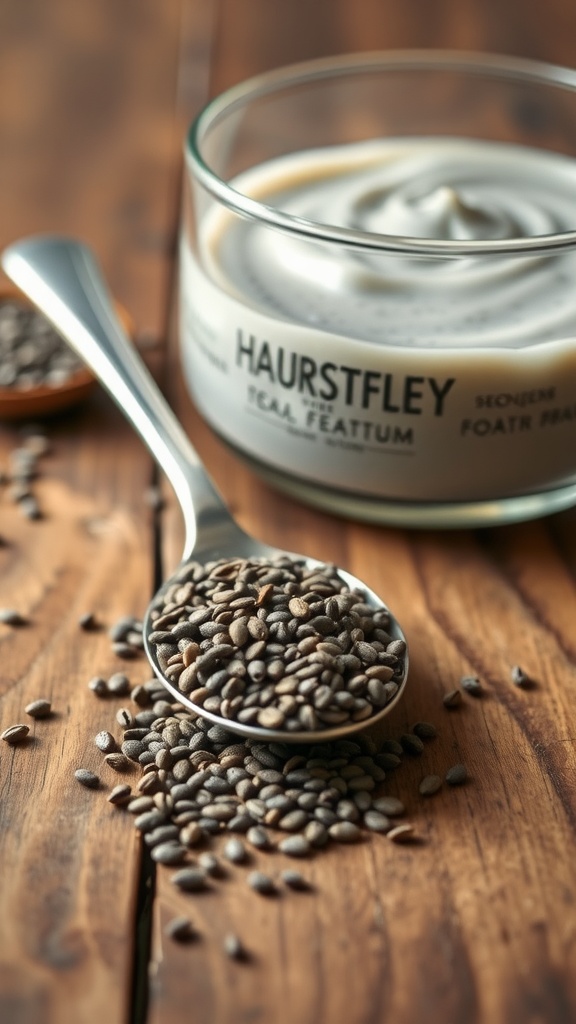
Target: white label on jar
398,423
462,419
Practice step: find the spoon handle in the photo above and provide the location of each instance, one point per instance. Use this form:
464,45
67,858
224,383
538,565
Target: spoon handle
62,279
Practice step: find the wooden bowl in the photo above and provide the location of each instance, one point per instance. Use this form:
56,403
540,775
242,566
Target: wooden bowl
43,400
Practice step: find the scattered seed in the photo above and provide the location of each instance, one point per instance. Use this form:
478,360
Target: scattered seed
316,833
15,734
261,883
472,685
412,744
376,821
122,649
295,846
170,852
258,837
30,509
140,804
140,696
425,730
191,834
235,851
98,686
39,709
430,784
87,778
293,821
392,747
401,833
36,443
180,929
456,775
344,832
106,742
233,947
389,761
11,617
122,627
189,879
118,761
162,834
119,684
520,678
210,864
200,780
88,622
19,491
120,795
124,717
452,699
294,880
391,806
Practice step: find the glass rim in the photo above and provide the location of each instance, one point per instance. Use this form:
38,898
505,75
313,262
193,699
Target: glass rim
270,82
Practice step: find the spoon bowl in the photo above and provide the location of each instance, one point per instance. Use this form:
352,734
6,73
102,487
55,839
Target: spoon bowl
62,279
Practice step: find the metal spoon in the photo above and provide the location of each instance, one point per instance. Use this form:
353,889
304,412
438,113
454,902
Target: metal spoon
61,278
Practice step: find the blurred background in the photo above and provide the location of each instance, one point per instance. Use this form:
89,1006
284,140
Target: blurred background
95,97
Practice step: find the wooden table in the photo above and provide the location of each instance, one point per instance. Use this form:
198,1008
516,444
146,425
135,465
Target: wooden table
474,923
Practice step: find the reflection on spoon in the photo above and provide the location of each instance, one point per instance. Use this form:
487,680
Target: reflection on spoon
295,613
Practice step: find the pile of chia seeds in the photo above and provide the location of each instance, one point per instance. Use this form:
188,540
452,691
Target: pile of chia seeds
32,353
279,645
199,780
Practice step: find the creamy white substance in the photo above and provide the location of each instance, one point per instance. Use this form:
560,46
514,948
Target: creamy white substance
393,376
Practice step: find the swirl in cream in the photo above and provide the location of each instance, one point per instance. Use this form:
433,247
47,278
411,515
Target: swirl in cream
414,188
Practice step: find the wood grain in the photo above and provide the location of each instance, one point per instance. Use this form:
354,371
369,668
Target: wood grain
474,922
89,149
89,140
